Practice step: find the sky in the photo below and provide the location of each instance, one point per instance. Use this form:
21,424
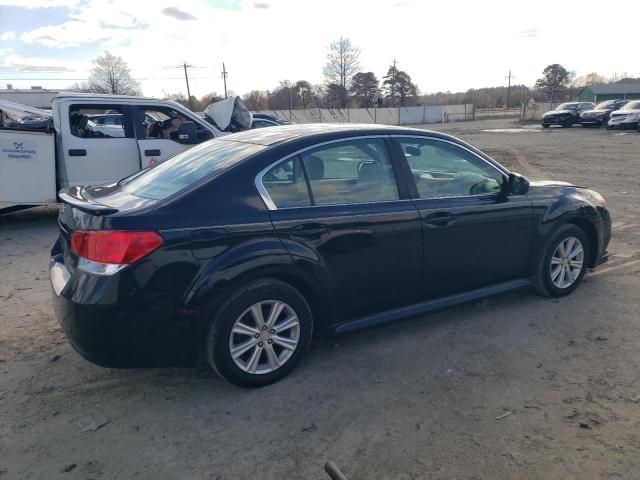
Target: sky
445,46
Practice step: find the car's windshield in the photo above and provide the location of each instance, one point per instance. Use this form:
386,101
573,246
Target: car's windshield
606,105
632,105
187,168
566,106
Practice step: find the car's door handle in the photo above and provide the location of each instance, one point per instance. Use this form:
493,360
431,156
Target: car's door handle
439,219
309,231
77,152
152,153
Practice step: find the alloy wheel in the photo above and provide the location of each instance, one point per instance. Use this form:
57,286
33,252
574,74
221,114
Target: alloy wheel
566,262
264,337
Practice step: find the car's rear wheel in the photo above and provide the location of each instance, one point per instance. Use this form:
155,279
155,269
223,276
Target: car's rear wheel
259,334
563,262
545,125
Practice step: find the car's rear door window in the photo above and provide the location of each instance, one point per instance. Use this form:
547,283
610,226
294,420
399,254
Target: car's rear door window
350,171
286,185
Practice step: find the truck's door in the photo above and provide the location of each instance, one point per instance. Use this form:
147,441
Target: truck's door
93,153
157,132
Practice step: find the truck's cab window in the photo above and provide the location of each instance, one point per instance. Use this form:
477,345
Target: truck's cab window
165,123
99,121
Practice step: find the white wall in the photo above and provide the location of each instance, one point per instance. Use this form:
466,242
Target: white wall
385,116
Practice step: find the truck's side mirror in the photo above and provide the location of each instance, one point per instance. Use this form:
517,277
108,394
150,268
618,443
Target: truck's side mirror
187,133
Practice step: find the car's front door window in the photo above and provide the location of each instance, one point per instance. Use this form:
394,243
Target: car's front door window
350,171
441,169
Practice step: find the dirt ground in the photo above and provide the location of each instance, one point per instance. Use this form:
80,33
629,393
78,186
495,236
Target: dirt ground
515,386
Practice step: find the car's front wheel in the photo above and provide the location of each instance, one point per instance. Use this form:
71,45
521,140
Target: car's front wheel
563,262
259,333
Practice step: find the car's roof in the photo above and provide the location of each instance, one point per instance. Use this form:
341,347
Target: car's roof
283,133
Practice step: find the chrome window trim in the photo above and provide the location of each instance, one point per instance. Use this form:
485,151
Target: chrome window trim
272,206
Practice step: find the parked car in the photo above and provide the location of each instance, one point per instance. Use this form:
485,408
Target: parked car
599,116
626,117
263,122
566,114
238,250
271,118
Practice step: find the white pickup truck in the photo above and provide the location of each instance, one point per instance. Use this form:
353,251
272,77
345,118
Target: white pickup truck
91,139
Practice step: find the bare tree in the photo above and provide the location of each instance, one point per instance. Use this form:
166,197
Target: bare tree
256,100
342,65
111,74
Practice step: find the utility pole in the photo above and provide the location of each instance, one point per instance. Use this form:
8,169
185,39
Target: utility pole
509,77
393,91
186,77
224,78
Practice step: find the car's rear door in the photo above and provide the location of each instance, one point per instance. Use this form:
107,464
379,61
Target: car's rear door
474,236
343,215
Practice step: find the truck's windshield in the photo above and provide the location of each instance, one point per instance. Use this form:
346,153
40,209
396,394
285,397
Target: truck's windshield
187,168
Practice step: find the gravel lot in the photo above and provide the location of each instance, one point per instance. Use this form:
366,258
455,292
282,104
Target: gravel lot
515,386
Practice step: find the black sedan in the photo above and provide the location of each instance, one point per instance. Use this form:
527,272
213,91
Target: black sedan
237,251
566,114
599,116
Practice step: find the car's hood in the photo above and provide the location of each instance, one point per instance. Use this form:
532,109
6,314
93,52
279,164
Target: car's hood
548,183
624,112
596,112
556,112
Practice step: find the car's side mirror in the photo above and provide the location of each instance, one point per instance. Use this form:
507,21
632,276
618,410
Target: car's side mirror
412,151
187,133
516,184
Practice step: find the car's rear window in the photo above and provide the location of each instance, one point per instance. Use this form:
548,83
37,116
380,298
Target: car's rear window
187,168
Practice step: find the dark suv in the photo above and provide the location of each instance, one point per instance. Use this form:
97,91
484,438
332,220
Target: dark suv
566,114
599,116
236,251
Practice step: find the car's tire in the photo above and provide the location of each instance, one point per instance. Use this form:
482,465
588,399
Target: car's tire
545,125
559,272
277,349
605,123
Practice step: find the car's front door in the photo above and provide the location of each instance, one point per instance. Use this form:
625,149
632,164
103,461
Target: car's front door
474,236
343,215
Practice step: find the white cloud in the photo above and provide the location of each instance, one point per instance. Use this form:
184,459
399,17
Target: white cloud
7,36
440,50
38,3
27,65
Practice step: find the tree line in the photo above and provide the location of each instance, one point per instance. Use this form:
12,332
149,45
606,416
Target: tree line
347,85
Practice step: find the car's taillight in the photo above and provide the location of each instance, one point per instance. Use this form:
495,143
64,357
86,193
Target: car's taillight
105,252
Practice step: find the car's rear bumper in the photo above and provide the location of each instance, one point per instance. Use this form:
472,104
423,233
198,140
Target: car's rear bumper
555,121
116,332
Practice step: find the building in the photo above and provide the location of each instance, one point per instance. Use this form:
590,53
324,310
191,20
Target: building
610,91
37,97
